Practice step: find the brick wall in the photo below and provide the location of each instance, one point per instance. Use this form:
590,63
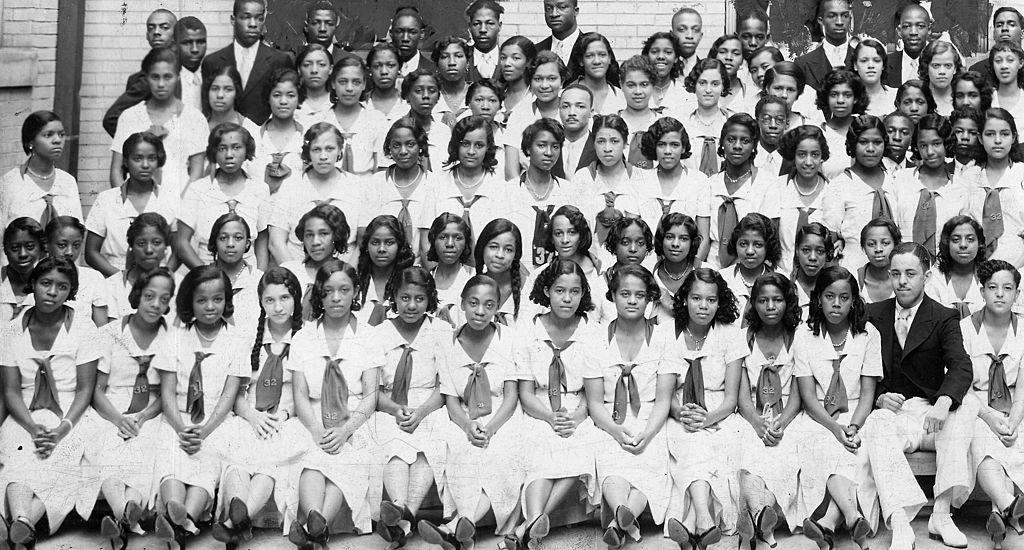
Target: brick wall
115,44
26,24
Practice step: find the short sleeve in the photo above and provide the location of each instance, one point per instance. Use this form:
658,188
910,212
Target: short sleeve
670,361
802,355
429,207
191,207
86,334
446,378
702,202
97,221
734,352
123,131
195,131
872,353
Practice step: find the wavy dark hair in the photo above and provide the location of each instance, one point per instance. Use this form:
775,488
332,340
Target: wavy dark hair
282,75
346,59
1005,47
742,120
988,268
418,133
137,138
676,46
219,223
525,45
941,125
621,225
371,56
63,266
878,48
670,220
306,52
488,84
403,259
313,133
576,70
619,273
790,319
231,72
550,274
816,318
784,68
61,222
330,267
542,58
884,223
998,113
707,64
495,227
438,225
142,281
578,221
920,86
843,76
759,223
938,47
31,226
980,82
459,132
414,276
548,125
276,275
639,64
223,129
611,122
944,259
191,282
334,218
662,126
817,229
33,125
144,220
728,309
713,51
792,139
861,124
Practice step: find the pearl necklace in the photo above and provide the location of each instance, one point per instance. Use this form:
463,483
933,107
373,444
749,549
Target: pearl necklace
461,184
736,180
33,173
813,190
419,174
843,343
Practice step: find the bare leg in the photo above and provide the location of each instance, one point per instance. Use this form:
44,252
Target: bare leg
333,499
844,495
421,477
993,480
24,504
236,485
396,480
312,490
700,496
261,487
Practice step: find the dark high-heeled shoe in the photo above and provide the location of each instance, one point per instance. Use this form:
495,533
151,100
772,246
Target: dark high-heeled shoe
5,534
432,534
316,526
678,532
627,523
614,537
1013,513
298,536
22,534
859,532
707,538
822,536
111,529
163,529
764,524
465,530
995,526
238,513
391,513
228,535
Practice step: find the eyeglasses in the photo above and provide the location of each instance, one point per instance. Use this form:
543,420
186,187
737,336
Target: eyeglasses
768,119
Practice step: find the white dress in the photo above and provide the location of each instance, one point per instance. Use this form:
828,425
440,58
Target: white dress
187,135
59,481
130,461
690,196
754,195
354,470
847,205
949,200
111,215
940,288
496,471
648,472
838,160
791,205
227,358
550,455
1009,246
277,456
21,196
298,195
592,192
711,454
449,300
204,201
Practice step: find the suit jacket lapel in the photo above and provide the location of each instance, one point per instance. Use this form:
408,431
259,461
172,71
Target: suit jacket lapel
887,331
259,68
921,327
588,155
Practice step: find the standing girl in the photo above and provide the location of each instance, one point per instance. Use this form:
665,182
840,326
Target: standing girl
838,363
149,238
552,357
363,129
1006,63
498,253
324,234
597,70
480,387
228,189
704,429
801,192
277,154
954,282
221,93
334,382
106,248
451,252
38,189
64,236
230,239
994,199
930,194
49,375
864,192
676,242
728,49
384,96
664,51
126,399
411,425
637,82
516,54
450,54
484,98
769,402
314,67
546,74
421,91
939,62
815,248
878,238
198,388
709,81
181,127
869,63
914,99
24,247
263,458
539,192
842,98
755,244
628,389
384,253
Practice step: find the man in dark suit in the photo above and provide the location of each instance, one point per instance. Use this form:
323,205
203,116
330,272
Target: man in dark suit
254,59
688,27
913,25
484,26
321,23
406,32
560,17
575,108
1007,24
159,34
834,51
920,398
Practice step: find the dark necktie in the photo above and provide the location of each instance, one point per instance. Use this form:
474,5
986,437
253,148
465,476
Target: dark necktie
49,213
377,314
924,221
541,234
477,394
728,219
405,219
347,160
708,157
403,377
666,206
992,219
963,308
45,394
769,389
805,215
466,205
271,379
194,405
998,392
880,206
556,376
607,217
307,306
333,395
636,156
626,393
232,205
693,384
140,391
836,400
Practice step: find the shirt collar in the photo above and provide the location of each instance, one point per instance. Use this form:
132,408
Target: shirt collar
913,309
568,42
